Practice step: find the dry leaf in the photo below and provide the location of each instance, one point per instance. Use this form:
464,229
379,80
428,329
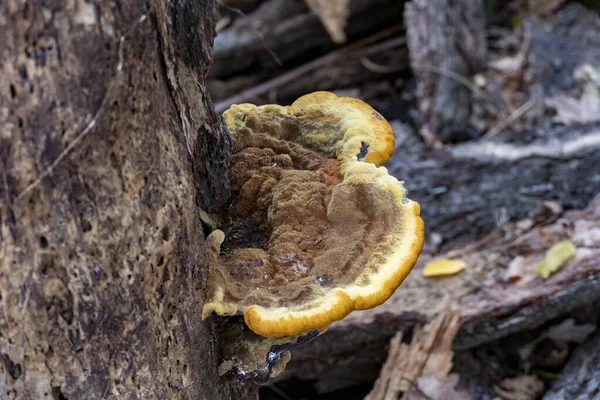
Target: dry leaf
570,110
334,16
556,257
443,267
524,387
584,109
567,331
562,333
441,389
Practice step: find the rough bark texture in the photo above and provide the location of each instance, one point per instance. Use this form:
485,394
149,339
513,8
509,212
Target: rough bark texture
447,43
580,378
289,29
108,147
457,187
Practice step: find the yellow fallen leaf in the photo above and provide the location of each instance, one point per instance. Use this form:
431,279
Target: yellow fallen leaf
444,267
556,257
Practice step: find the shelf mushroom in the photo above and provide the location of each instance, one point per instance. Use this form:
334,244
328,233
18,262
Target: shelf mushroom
316,229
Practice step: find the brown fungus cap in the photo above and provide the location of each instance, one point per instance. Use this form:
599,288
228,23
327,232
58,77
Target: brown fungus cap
317,230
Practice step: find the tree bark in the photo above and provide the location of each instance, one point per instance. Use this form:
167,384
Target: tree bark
108,147
447,43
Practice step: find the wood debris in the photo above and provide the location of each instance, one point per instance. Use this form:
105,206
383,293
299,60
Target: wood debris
524,387
428,355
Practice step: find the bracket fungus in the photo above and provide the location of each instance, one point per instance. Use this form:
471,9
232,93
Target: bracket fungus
316,229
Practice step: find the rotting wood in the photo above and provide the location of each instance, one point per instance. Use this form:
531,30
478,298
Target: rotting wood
429,354
108,146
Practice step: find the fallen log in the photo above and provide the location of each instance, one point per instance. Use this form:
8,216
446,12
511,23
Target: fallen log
516,174
343,68
288,30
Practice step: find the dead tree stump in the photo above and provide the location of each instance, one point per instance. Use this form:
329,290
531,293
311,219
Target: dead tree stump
108,147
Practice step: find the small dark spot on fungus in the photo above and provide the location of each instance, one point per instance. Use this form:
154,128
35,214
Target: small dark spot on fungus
43,242
364,150
13,91
325,280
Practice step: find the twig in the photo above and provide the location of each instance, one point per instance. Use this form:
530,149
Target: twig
384,46
301,70
254,28
279,392
378,68
90,124
516,114
462,80
511,152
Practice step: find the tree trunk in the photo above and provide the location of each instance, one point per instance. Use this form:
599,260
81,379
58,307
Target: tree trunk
447,43
108,148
